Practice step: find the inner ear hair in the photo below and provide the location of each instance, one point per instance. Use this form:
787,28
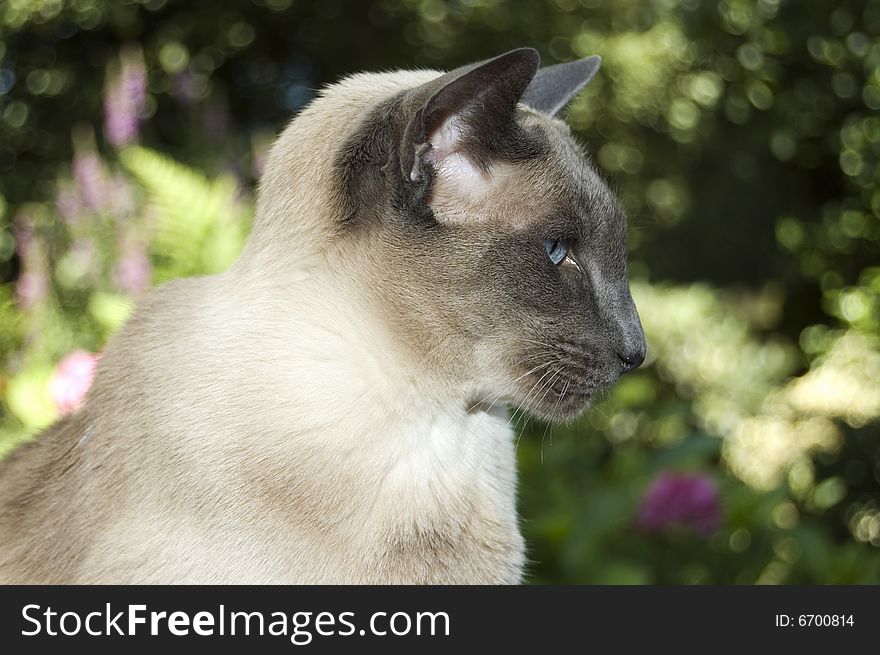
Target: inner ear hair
466,111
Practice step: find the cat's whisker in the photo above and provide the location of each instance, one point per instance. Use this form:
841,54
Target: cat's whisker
548,428
548,386
512,386
536,386
525,416
538,343
509,387
521,405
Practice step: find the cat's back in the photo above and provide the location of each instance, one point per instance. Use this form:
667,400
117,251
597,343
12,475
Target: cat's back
54,487
45,515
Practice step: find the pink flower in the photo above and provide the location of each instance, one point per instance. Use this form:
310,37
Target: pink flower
120,197
72,379
68,204
30,289
91,180
32,284
124,100
680,500
133,272
24,235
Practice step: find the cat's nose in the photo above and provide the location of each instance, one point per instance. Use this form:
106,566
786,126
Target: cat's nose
630,343
631,357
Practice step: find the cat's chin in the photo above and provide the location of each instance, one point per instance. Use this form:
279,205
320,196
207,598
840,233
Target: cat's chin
560,408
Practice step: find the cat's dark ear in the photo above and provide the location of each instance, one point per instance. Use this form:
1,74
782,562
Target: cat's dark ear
464,114
554,87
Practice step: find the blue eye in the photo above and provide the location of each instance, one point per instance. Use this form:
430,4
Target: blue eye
557,250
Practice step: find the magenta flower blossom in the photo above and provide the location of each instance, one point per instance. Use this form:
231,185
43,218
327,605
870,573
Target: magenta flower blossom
120,198
91,180
24,235
133,271
68,203
30,288
32,284
124,100
680,500
72,379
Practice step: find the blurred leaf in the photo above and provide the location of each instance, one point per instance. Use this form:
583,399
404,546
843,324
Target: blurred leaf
27,395
199,224
110,310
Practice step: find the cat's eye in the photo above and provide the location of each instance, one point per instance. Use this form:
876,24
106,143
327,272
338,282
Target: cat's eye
557,250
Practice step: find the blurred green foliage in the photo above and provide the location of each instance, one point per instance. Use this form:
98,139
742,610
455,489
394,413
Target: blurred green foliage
742,136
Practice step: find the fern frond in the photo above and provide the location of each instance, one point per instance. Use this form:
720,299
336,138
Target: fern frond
200,225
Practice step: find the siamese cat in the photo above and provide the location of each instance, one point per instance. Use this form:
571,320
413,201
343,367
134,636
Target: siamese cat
428,249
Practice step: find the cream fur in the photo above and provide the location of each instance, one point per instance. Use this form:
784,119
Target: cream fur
261,426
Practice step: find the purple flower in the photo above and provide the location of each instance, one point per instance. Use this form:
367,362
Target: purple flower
133,271
72,379
124,100
32,284
680,500
68,203
120,197
30,289
23,233
91,179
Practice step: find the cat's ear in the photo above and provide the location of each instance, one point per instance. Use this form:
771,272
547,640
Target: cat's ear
554,87
465,113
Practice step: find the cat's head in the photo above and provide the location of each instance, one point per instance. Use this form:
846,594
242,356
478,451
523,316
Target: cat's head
485,238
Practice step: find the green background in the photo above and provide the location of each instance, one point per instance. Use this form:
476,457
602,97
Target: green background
742,137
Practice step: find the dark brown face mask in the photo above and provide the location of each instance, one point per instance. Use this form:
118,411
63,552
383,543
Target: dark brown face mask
525,269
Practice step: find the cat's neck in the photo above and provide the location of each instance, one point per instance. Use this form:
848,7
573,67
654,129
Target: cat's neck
323,354
344,413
